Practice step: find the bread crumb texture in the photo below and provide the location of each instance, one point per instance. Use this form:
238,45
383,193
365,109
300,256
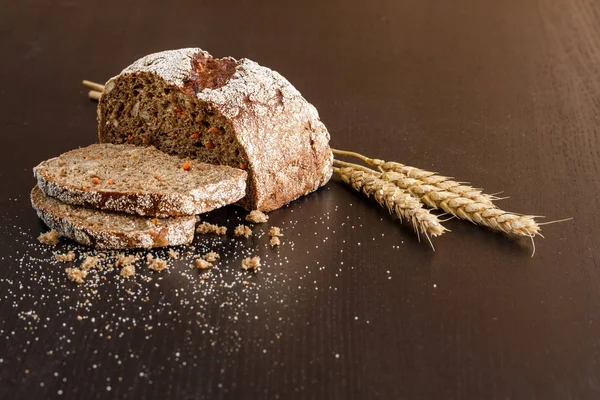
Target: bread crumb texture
123,260
65,257
257,217
275,231
242,230
205,228
75,274
156,264
211,256
89,263
202,264
127,271
274,241
252,263
50,238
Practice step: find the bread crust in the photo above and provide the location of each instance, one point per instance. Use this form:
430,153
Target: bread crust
286,144
69,221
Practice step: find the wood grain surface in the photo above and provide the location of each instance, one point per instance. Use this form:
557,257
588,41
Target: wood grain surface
503,94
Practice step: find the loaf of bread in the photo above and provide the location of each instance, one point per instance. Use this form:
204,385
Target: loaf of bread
139,180
109,230
221,111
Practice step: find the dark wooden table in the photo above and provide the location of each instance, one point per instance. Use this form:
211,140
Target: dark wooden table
505,94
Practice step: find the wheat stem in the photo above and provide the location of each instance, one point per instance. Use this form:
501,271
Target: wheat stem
396,200
339,163
93,85
94,95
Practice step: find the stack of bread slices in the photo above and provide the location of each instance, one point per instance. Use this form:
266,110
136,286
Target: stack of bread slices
111,196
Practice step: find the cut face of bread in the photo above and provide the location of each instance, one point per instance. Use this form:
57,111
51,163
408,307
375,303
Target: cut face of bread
108,230
221,111
149,113
139,180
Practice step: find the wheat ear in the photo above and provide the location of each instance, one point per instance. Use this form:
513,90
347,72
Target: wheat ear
435,181
465,208
396,200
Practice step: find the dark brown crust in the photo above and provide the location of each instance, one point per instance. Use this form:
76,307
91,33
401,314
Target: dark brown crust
208,72
285,142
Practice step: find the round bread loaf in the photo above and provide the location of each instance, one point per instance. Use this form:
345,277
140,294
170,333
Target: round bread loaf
221,111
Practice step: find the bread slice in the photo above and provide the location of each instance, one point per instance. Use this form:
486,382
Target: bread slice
108,230
221,111
139,180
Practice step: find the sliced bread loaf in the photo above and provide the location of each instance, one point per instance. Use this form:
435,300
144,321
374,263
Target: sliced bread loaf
108,230
139,180
221,111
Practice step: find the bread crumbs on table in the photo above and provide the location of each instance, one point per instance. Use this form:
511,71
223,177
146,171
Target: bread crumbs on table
75,274
205,228
211,256
173,254
274,241
251,263
50,238
242,230
156,264
202,264
127,271
257,217
123,260
275,231
65,257
89,262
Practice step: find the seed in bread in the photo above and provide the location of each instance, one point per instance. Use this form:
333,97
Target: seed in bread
221,111
123,178
108,230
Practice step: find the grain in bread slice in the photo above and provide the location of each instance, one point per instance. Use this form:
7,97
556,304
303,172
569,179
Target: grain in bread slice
139,180
111,230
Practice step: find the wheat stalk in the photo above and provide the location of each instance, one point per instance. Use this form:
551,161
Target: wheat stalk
435,181
396,200
477,212
464,208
